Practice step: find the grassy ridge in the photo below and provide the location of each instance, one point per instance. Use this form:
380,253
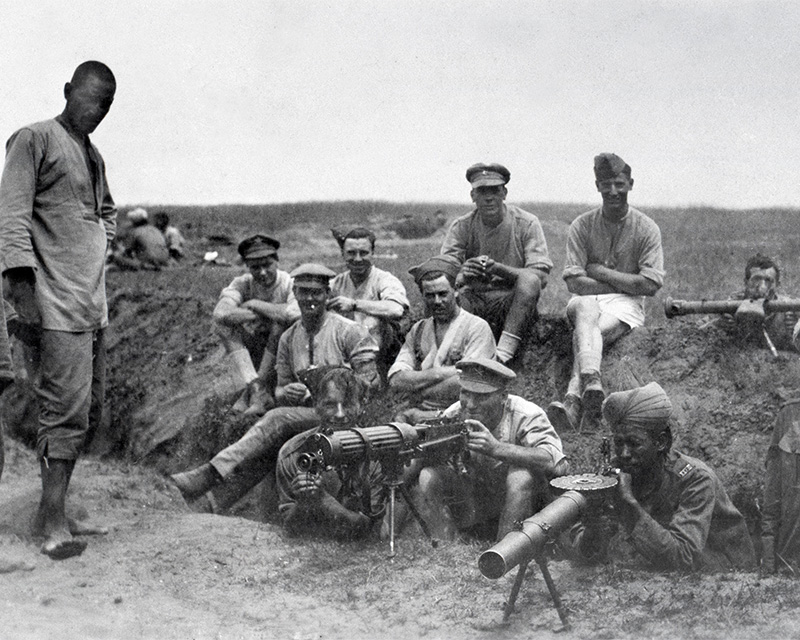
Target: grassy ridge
705,248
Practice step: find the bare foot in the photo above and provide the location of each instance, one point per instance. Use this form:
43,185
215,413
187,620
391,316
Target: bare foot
79,528
61,545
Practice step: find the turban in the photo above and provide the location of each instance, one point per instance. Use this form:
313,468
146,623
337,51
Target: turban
447,265
647,407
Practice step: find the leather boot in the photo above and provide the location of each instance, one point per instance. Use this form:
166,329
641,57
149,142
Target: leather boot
565,416
260,400
195,483
593,396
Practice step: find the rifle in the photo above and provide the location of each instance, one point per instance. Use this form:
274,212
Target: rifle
582,494
752,311
394,446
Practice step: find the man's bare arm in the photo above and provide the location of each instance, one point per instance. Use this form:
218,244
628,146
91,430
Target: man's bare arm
600,279
285,313
378,308
419,380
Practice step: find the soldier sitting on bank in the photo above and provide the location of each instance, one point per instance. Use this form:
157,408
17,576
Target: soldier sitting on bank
252,313
425,368
374,298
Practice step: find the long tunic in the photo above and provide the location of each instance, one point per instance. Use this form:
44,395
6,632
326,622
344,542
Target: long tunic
57,217
690,524
780,526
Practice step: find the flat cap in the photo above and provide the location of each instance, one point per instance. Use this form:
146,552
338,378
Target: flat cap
445,264
483,375
487,175
258,246
312,275
609,165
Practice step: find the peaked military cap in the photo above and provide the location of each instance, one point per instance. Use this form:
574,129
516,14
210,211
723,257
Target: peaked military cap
312,275
483,375
487,175
609,165
258,246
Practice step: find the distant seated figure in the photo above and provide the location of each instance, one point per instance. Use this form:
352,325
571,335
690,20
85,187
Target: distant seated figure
172,235
761,282
142,247
342,503
780,524
252,313
503,256
425,367
374,298
671,511
514,452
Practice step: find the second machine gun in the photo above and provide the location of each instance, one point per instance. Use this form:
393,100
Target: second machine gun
393,445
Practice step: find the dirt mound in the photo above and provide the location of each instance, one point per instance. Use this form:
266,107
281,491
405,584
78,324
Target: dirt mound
164,571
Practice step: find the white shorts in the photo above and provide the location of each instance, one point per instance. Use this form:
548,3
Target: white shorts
625,308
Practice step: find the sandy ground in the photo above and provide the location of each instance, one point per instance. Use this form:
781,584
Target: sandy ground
167,572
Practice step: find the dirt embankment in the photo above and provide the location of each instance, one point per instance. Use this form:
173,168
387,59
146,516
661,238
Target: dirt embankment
166,572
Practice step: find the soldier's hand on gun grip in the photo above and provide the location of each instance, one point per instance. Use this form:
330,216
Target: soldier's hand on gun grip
481,439
295,392
625,488
726,322
306,485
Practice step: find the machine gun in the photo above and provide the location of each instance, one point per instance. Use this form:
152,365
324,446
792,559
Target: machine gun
394,445
583,494
751,311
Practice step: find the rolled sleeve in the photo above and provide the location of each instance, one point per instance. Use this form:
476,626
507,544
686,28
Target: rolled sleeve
651,260
405,360
577,258
537,432
455,241
535,247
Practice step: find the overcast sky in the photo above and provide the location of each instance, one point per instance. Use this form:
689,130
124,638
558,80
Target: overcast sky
258,101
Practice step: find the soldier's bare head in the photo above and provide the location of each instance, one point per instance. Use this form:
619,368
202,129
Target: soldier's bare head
761,277
89,96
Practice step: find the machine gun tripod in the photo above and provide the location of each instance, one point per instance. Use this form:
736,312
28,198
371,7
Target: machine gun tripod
582,493
394,446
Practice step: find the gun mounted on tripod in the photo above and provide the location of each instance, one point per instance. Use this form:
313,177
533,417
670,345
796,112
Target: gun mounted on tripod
583,494
394,445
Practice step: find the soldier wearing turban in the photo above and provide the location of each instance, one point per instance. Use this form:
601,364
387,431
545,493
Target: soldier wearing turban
671,510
